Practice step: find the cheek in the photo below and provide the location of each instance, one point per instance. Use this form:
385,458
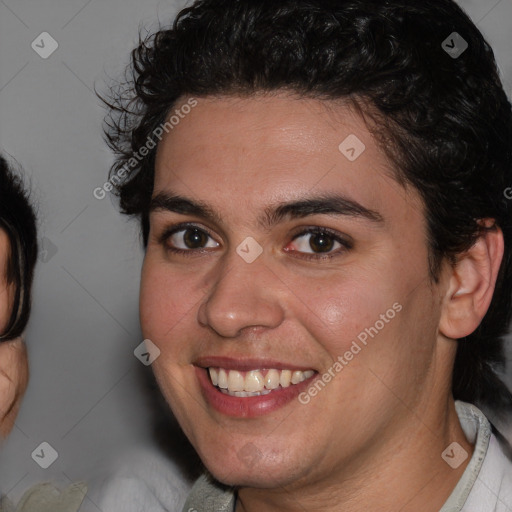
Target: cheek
337,313
166,299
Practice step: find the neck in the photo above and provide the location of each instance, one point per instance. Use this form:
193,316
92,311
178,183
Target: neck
405,472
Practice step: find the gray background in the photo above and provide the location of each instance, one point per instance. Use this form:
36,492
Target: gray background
87,397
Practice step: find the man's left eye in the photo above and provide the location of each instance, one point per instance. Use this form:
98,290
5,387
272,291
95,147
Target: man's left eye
318,242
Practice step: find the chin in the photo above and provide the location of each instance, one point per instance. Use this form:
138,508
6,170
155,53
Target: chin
248,467
258,478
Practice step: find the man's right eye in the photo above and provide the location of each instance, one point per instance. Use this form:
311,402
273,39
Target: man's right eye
182,239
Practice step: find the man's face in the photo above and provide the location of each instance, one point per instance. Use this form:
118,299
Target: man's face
323,280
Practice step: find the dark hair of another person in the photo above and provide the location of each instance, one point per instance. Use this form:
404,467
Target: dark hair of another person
444,122
18,220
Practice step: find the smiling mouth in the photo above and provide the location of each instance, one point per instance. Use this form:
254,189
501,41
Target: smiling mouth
255,382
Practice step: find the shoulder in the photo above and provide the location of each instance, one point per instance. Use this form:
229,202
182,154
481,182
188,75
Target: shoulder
488,478
493,486
207,495
46,497
145,480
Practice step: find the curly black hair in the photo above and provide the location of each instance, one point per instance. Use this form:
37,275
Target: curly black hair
442,118
18,220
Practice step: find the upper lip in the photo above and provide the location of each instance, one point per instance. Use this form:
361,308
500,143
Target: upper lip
246,364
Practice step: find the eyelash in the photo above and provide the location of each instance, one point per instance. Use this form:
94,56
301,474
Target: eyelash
335,236
346,245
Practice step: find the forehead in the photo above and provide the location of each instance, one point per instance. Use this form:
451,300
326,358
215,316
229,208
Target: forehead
238,129
250,152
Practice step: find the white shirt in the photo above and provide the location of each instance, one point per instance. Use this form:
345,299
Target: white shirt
486,484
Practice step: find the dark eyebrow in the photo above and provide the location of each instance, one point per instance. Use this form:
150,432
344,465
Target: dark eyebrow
179,204
328,204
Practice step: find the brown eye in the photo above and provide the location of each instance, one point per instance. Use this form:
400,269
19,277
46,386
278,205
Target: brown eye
316,242
321,242
195,238
187,239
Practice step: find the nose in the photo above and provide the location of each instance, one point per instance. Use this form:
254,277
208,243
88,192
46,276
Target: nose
244,295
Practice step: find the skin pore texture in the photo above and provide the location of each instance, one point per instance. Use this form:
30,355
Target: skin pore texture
372,437
13,354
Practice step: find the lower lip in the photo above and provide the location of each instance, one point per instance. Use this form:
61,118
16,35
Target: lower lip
248,407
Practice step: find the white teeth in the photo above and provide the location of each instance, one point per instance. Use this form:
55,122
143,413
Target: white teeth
245,394
255,382
296,377
285,378
236,382
223,379
271,379
214,376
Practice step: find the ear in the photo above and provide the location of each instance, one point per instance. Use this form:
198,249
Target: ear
471,284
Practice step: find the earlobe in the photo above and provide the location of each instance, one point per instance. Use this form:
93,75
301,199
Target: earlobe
471,284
